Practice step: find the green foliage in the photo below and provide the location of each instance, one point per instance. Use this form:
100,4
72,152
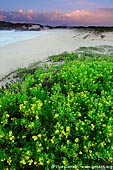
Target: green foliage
100,29
63,57
89,48
85,36
60,116
22,72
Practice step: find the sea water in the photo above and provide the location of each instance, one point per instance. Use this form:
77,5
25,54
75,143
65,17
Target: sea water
13,36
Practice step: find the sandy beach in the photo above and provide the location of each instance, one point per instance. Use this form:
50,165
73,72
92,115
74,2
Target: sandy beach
23,53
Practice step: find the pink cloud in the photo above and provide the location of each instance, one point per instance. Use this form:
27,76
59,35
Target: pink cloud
87,17
2,17
21,11
103,16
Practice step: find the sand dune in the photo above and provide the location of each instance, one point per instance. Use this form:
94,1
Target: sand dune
23,53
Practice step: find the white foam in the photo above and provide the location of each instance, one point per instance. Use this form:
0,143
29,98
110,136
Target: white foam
9,37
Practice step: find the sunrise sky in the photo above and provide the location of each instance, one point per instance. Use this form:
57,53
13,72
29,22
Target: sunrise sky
58,12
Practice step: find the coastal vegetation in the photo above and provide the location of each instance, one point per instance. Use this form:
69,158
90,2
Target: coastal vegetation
28,26
20,26
59,115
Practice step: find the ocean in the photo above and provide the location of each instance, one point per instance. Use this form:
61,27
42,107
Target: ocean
13,36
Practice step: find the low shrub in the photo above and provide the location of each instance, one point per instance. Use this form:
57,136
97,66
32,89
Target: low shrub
66,56
62,116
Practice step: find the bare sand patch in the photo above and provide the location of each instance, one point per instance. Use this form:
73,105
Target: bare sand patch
23,53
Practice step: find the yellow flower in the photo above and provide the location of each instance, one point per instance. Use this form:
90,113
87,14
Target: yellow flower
34,98
23,161
68,141
85,137
56,115
39,144
76,140
2,160
9,161
37,117
57,131
76,128
48,162
67,129
41,163
28,152
38,150
7,115
40,159
10,133
52,141
110,134
11,137
93,144
35,163
32,106
21,106
25,102
110,159
104,125
90,151
81,128
63,132
13,118
45,139
31,125
1,135
30,161
85,148
80,153
92,126
23,137
64,162
39,104
39,135
58,124
35,138
109,140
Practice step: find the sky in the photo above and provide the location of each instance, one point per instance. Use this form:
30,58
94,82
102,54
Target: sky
58,12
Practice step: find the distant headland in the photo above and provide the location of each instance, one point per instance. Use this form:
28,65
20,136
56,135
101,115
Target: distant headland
4,25
20,26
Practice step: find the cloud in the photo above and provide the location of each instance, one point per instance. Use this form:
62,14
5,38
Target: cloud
21,11
106,10
101,16
87,17
2,17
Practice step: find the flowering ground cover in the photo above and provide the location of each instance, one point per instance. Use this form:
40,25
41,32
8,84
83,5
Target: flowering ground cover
59,116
